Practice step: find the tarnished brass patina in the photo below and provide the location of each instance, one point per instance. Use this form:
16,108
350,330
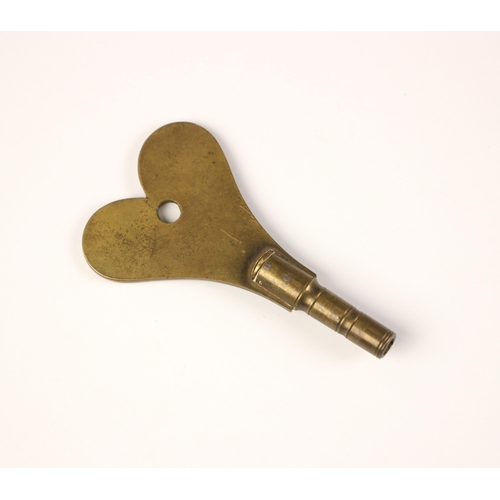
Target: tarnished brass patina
215,238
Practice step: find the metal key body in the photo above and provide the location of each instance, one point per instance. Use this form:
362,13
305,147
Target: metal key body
215,238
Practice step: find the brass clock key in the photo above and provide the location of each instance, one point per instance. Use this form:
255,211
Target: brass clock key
215,238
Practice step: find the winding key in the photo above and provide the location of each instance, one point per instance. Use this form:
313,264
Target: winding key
215,238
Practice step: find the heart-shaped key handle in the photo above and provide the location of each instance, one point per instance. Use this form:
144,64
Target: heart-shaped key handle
215,238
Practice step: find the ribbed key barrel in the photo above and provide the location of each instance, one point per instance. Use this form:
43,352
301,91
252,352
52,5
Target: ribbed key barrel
298,289
357,327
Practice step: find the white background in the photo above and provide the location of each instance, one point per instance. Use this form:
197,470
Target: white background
374,159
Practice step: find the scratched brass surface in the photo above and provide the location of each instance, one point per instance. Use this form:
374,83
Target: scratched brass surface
215,238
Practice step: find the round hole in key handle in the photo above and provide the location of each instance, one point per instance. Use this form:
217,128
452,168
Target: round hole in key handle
169,211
